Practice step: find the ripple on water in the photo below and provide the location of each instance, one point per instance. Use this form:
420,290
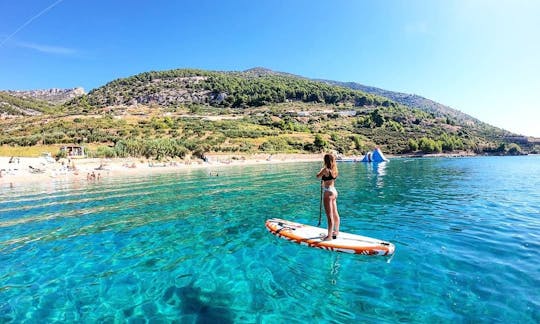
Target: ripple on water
191,247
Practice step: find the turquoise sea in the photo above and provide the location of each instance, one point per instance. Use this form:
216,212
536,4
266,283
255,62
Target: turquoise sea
191,247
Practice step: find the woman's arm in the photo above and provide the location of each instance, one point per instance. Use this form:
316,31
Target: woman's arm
320,174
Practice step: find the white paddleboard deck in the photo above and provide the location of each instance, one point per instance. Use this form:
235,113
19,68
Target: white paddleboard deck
313,237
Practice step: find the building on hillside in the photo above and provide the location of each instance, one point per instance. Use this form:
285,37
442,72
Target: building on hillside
74,151
347,113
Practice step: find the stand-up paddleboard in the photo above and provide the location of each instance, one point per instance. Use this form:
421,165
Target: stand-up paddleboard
313,237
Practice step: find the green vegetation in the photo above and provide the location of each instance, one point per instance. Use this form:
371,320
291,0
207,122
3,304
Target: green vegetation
12,105
219,89
178,113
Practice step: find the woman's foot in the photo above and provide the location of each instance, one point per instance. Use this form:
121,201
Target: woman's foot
326,238
334,235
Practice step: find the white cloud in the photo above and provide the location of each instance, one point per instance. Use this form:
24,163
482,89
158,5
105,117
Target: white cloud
47,48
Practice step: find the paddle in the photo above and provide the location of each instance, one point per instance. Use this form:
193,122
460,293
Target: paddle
320,208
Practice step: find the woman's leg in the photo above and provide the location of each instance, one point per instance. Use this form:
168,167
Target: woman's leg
329,216
335,215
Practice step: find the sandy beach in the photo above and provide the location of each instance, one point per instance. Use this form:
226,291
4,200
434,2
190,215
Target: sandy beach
25,171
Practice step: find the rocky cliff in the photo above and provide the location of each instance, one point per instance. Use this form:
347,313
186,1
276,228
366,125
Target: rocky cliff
53,96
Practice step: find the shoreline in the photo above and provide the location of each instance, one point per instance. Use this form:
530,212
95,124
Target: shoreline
26,171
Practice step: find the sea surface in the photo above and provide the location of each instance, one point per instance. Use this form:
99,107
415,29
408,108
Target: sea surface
192,247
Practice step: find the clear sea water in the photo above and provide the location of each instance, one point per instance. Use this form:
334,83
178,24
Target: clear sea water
191,247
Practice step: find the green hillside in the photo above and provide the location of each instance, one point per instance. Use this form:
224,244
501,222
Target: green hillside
409,100
17,106
189,112
220,89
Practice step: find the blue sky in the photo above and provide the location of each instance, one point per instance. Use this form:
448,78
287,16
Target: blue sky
481,57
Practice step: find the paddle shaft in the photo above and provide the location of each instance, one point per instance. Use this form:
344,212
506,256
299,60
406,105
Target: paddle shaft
320,207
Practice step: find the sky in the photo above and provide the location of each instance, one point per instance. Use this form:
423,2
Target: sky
477,56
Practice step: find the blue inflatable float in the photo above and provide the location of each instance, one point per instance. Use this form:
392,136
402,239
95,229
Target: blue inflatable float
375,156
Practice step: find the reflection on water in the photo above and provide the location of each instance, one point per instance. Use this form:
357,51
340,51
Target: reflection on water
377,171
380,170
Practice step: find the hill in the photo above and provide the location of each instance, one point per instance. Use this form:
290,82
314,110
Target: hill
13,105
221,89
53,96
189,112
409,100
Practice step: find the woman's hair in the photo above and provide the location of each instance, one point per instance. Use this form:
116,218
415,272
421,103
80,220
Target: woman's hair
330,163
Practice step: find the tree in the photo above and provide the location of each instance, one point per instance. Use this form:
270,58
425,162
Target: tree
514,149
377,118
428,145
413,145
358,144
319,143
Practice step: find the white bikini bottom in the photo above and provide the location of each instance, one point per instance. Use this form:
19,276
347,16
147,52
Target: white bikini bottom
332,190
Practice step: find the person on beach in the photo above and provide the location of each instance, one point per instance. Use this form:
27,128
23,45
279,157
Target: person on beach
328,174
91,176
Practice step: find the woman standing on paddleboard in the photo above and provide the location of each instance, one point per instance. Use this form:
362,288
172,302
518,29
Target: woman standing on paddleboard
328,174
